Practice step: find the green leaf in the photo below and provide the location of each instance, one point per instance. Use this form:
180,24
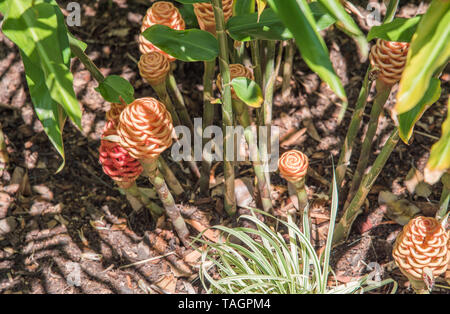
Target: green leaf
346,23
261,4
297,16
75,41
186,45
270,27
241,7
429,50
50,113
114,87
38,32
248,91
407,120
439,160
399,29
3,7
188,14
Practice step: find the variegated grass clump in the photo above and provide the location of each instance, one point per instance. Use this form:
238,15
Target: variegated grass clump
262,261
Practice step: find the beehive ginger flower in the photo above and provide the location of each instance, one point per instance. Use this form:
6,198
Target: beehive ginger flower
145,128
163,13
389,58
154,67
236,70
205,15
423,243
114,112
116,161
293,166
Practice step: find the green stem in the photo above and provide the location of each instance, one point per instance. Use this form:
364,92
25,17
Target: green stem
258,166
445,197
89,65
139,200
287,69
354,209
256,61
227,107
347,146
208,118
301,194
390,11
179,101
161,91
158,182
383,92
170,177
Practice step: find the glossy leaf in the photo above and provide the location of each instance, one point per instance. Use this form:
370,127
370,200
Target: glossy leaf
186,45
248,91
399,29
297,16
439,160
38,32
429,51
114,87
242,7
407,120
346,23
270,27
188,14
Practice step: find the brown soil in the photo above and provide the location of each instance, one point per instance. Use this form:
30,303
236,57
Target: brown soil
78,219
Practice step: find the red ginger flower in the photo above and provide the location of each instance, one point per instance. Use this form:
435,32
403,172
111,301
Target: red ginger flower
114,112
116,161
389,57
163,13
422,243
293,165
205,14
145,128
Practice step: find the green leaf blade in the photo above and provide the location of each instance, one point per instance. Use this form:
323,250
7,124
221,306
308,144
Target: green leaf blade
248,91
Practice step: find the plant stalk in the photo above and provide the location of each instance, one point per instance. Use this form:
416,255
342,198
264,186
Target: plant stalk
170,177
157,180
161,91
87,62
301,194
287,69
347,146
227,106
354,209
243,117
445,197
179,101
383,92
256,61
208,118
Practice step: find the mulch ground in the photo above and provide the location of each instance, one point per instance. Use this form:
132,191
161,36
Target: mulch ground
77,219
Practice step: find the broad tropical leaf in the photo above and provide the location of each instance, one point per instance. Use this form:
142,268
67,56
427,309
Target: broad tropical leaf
399,29
297,16
346,23
187,45
439,160
114,87
241,7
429,51
248,91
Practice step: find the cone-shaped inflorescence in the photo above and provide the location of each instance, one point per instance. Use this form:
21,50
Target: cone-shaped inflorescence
422,244
205,14
389,59
116,161
114,112
154,67
163,13
293,166
243,116
145,130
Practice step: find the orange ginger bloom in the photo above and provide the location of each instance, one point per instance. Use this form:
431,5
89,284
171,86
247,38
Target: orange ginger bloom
145,128
163,13
114,112
293,165
422,243
236,70
205,15
153,67
116,161
389,58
